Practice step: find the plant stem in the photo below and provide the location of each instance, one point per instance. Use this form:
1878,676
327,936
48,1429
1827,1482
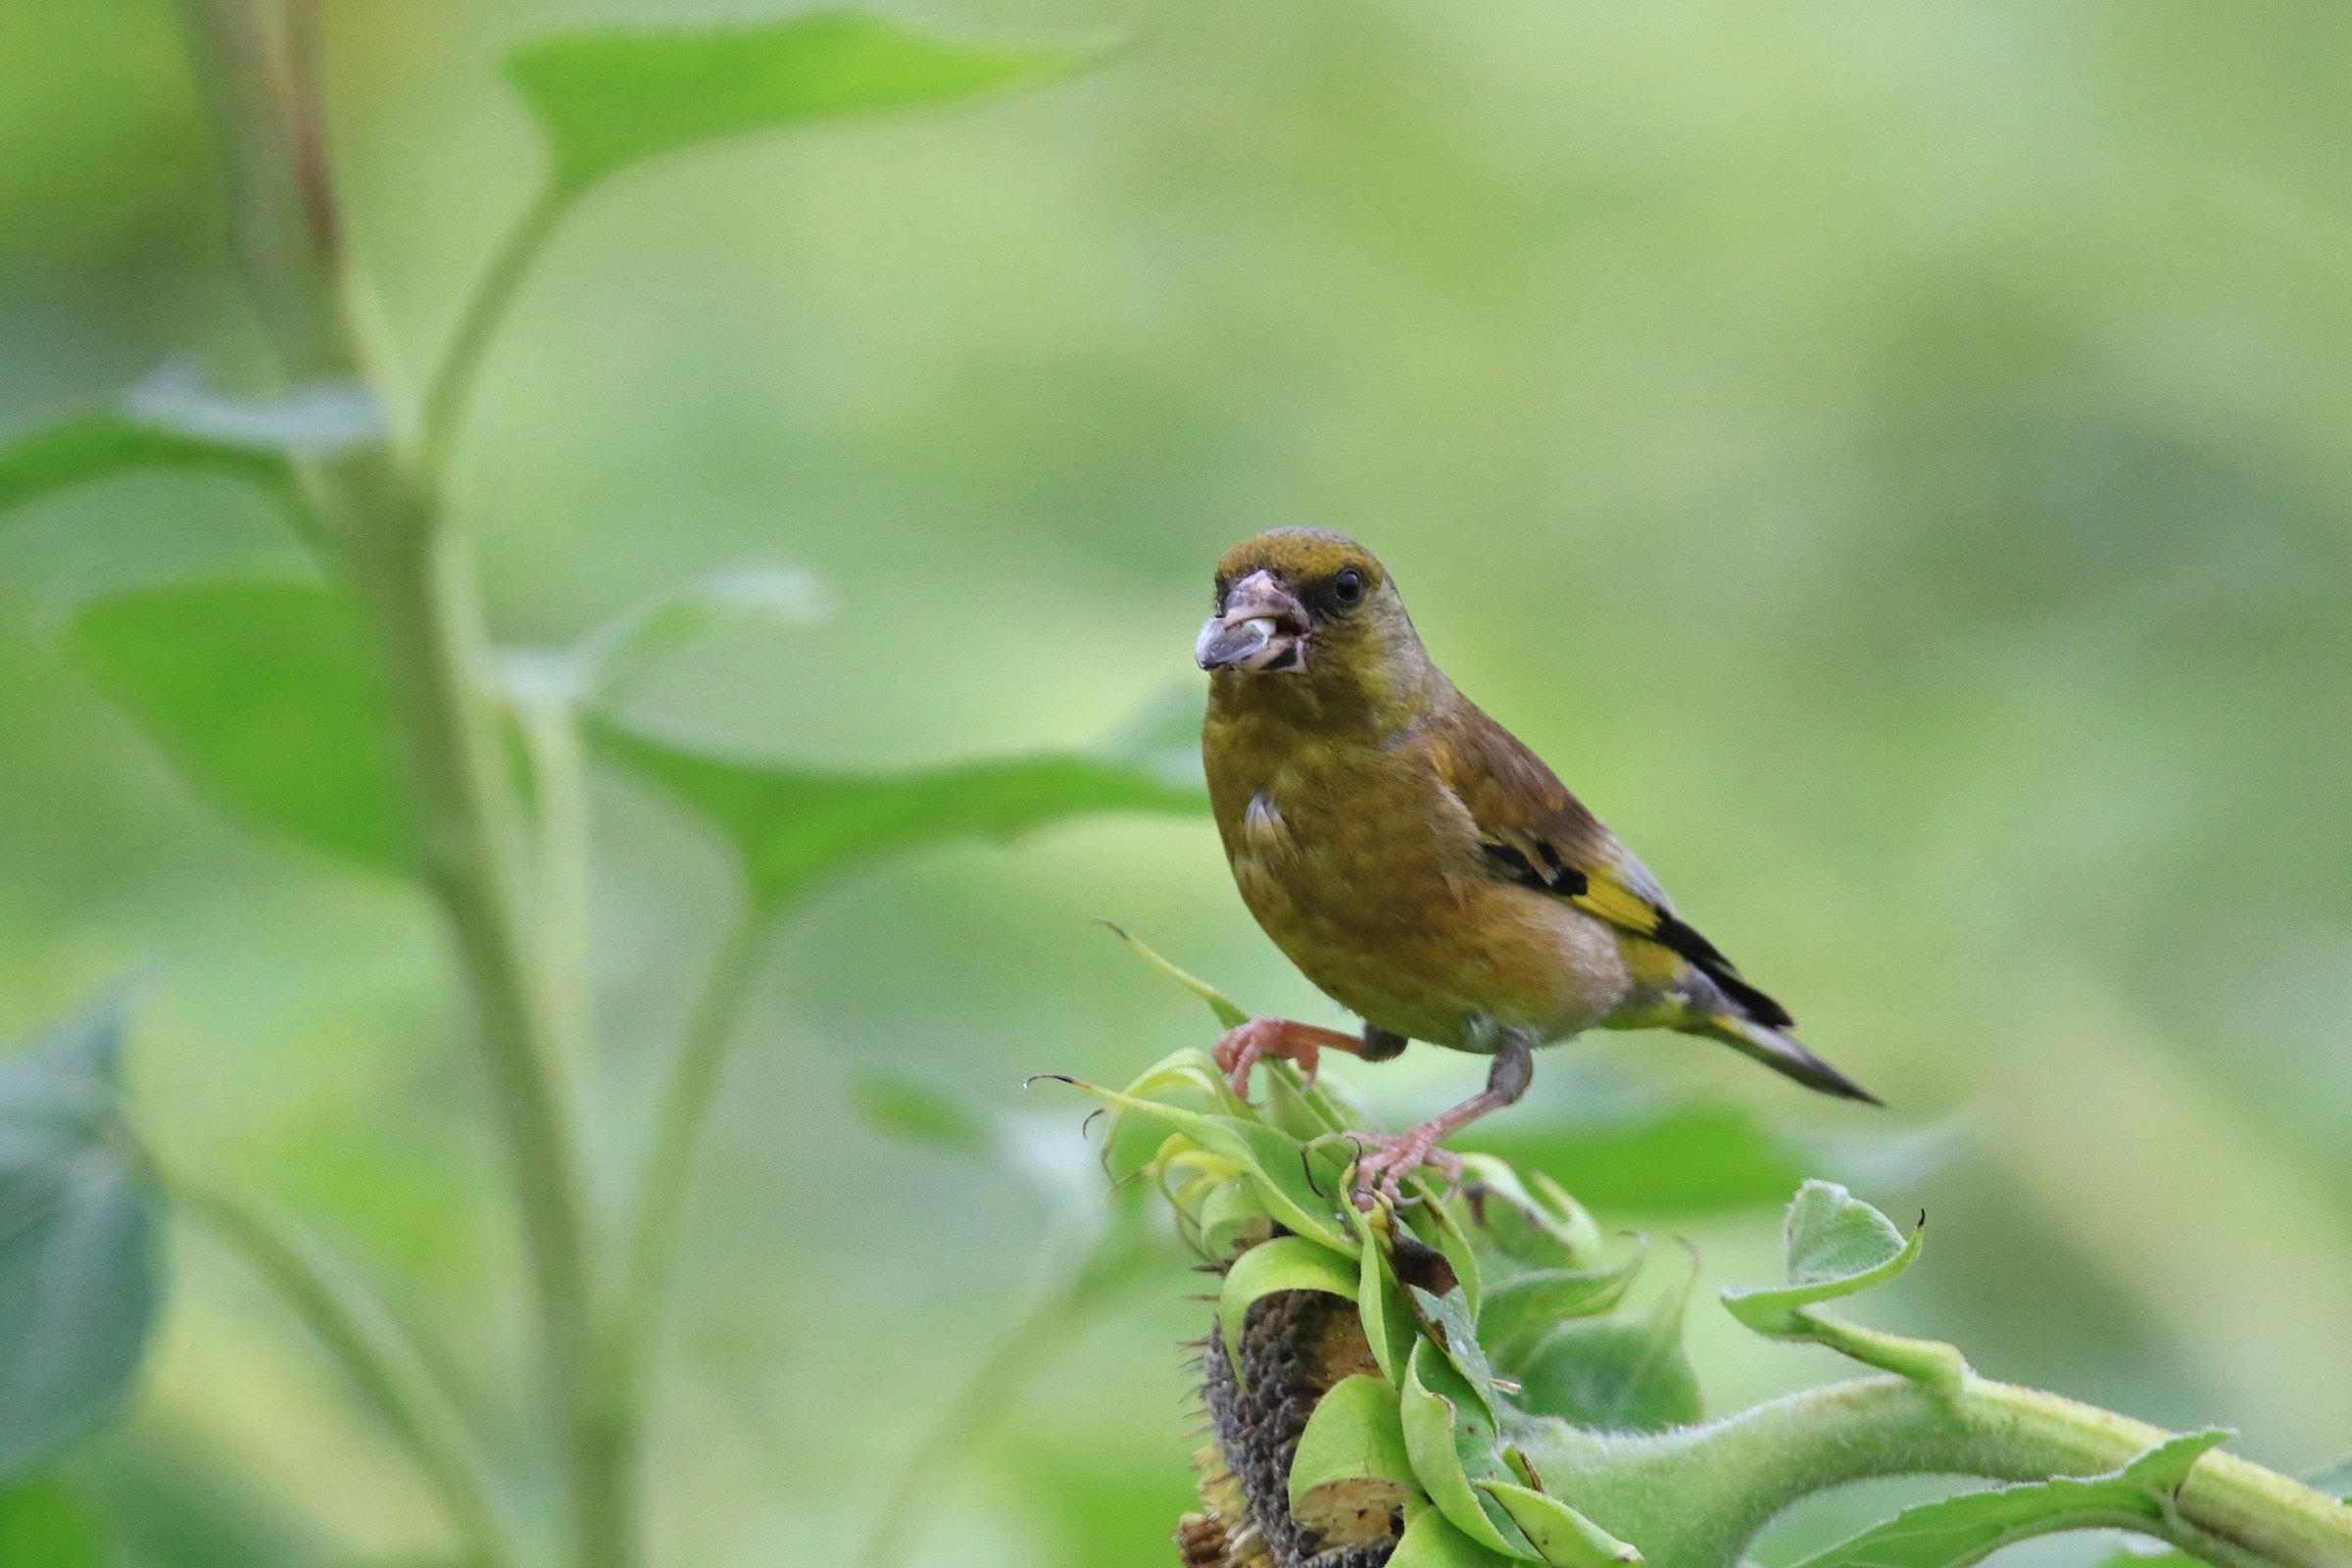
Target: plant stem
685,1107
994,1385
420,590
416,589
447,398
1693,1499
375,1354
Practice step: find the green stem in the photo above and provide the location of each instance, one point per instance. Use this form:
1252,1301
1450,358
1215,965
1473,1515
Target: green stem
420,592
685,1107
446,400
559,875
995,1385
1694,1499
375,1354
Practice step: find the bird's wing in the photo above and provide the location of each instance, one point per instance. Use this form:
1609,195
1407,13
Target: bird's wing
1532,831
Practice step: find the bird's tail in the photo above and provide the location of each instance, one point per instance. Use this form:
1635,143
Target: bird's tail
1783,1054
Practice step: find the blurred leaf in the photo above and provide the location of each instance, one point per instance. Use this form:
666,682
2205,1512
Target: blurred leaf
265,697
1163,733
1228,1015
48,1523
608,99
77,1256
1959,1531
595,670
793,827
108,443
1690,1160
316,420
920,1113
173,421
1623,1373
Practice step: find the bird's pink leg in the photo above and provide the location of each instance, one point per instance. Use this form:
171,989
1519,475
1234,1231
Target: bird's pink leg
1244,1046
1390,1157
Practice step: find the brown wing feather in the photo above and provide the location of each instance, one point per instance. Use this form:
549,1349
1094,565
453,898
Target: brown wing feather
1535,831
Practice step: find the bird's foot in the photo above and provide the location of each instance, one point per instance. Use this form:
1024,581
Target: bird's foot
1388,1159
1243,1047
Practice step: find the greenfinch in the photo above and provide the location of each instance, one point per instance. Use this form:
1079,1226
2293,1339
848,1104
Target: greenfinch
1418,863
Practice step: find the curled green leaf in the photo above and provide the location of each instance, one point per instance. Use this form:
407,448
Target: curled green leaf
1837,1246
1356,1434
1519,1313
1431,1540
1627,1372
1534,1223
1455,1442
1286,1263
1564,1538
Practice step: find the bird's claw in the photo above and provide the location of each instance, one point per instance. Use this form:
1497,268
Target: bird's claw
1388,1159
1243,1047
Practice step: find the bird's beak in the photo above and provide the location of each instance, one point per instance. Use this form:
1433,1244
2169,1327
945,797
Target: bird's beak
1262,627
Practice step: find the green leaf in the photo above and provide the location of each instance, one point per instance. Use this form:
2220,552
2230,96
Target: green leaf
267,698
1380,1300
1355,1434
611,98
1432,1541
1533,1223
793,827
171,422
78,1266
1565,1538
921,1115
1958,1531
107,444
595,670
1447,1318
1695,1160
1837,1245
1623,1373
1454,1444
1228,1015
1286,1263
48,1523
1522,1311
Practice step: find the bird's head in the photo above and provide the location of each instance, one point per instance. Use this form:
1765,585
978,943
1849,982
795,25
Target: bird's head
1309,608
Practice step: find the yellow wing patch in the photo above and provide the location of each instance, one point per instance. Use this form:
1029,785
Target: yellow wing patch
1617,903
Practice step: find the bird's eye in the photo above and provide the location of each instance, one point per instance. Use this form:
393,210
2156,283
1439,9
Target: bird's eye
1348,586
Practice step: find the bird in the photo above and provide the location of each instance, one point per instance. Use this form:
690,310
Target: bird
1421,867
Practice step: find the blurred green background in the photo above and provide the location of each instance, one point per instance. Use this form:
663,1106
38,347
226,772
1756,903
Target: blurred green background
1890,457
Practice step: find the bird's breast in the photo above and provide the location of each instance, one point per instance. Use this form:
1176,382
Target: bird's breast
1364,869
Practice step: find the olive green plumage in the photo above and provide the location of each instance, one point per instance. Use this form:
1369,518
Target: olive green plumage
1417,862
